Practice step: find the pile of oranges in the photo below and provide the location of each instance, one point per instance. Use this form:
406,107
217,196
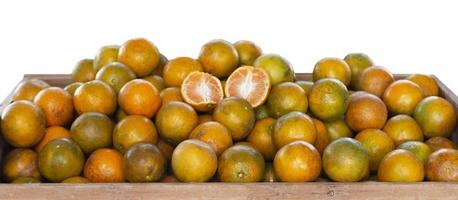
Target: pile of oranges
233,114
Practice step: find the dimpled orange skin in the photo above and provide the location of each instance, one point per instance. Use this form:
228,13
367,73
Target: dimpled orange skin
438,142
219,58
442,165
322,138
402,96
20,163
104,166
248,52
365,111
261,138
95,96
132,130
52,133
332,68
171,94
402,128
401,166
139,97
83,71
375,80
140,55
427,83
237,115
291,127
436,116
57,106
176,70
377,143
213,133
28,89
297,162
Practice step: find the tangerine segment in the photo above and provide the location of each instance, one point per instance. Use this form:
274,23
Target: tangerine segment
202,90
249,83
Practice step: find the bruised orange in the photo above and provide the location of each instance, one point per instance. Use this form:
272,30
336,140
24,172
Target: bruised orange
426,82
52,133
132,130
83,71
249,83
202,91
375,80
57,106
28,89
403,128
442,165
105,166
140,55
219,58
332,68
95,96
237,115
20,163
105,55
171,94
291,127
401,166
139,97
261,138
144,163
402,96
176,70
297,162
248,51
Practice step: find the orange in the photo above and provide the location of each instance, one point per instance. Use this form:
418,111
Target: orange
277,67
402,96
403,128
401,166
346,160
140,55
105,166
438,142
443,166
194,161
269,174
92,131
95,96
160,67
23,124
262,112
132,130
375,80
176,70
249,83
57,106
214,134
248,52
287,97
139,97
377,143
436,116
292,127
365,111
72,87
261,138
166,149
338,129
322,137
28,89
332,68
297,162
157,81
205,118
306,85
171,94
241,163
170,179
219,58
76,179
175,121
357,63
327,99
427,83
202,91
116,75
52,133
237,115
120,114
83,71
144,163
420,149
25,180
105,56
20,163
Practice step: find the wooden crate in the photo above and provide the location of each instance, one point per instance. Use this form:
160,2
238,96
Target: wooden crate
318,190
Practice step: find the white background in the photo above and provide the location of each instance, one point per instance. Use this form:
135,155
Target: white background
405,36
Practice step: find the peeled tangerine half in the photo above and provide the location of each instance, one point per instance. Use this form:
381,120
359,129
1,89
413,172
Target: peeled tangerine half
202,90
250,83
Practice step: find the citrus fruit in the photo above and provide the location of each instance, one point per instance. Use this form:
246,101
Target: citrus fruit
76,179
438,142
401,166
139,97
51,133
170,179
241,163
291,127
262,112
365,111
194,161
156,80
327,99
375,80
247,51
140,55
92,131
249,83
170,94
322,138
403,128
332,68
144,163
28,89
25,180
427,83
160,67
305,85
261,138
205,118
402,96
20,163
436,116
277,67
132,130
442,165
72,87
338,129
120,114
56,104
60,159
23,124
357,63
297,162
377,143
83,71
175,121
244,143
237,115
95,96
269,173
105,55
116,75
104,166
346,160
286,97
166,149
176,70
202,91
420,149
219,58
213,133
